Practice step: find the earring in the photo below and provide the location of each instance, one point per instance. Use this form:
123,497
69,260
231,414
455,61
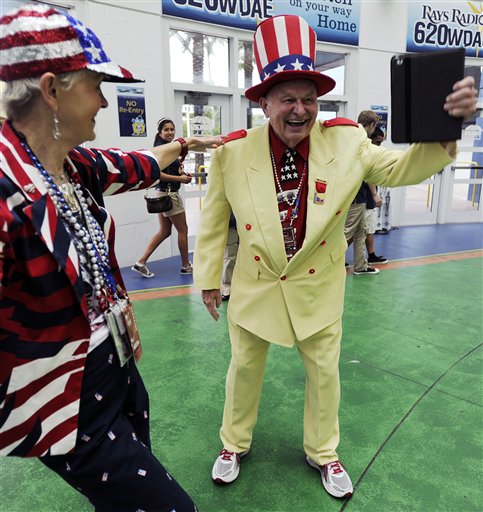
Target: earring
55,129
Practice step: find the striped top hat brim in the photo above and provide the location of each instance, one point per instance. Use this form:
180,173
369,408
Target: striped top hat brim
284,49
35,39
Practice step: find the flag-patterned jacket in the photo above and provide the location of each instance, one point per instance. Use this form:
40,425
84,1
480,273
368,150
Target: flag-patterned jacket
44,332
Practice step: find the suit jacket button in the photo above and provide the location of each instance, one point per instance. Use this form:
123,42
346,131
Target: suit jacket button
324,242
248,227
257,258
282,278
312,271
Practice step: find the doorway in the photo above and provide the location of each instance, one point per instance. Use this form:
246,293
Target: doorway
462,182
198,113
452,195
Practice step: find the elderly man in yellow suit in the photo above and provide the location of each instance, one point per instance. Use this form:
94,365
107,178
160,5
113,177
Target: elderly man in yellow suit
290,207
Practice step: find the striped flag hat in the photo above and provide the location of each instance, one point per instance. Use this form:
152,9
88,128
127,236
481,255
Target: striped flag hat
285,50
35,39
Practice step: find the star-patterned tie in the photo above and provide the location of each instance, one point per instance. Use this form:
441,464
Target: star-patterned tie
289,169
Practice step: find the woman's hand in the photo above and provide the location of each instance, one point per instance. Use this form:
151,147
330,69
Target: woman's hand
185,178
168,153
203,143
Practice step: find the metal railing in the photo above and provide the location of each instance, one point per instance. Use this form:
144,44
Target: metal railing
473,166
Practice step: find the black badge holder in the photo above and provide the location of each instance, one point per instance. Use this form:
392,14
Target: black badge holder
420,83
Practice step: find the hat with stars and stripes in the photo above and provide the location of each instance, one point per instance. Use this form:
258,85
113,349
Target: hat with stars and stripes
36,39
285,50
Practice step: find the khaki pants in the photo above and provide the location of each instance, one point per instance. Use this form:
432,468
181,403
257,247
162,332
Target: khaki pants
355,229
320,355
229,260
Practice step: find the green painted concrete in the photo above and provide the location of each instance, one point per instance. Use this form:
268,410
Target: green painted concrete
411,412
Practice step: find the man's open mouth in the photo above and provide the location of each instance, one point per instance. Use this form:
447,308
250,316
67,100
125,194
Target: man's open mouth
296,123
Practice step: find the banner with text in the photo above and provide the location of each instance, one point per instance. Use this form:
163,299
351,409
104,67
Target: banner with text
334,21
445,25
132,112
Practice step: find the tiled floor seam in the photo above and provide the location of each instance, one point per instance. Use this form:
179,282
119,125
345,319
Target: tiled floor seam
176,291
404,418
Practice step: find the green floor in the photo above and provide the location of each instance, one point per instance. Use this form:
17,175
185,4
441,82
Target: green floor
411,412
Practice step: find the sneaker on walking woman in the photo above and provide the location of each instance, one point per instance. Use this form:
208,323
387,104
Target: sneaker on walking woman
142,269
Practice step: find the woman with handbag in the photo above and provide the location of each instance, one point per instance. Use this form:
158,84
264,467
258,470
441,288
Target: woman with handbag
70,391
175,216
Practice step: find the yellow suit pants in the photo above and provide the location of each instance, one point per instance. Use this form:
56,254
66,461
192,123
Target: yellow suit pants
244,380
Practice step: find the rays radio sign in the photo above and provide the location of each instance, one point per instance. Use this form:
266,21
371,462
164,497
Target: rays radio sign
440,25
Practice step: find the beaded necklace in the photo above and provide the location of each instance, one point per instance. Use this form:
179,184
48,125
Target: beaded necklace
86,234
295,197
288,229
67,189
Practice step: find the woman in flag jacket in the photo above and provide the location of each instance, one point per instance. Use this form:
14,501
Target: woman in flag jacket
68,394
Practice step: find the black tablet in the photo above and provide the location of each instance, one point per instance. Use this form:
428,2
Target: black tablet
420,83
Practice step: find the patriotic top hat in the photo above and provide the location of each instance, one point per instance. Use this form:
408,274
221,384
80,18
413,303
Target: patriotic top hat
285,50
35,39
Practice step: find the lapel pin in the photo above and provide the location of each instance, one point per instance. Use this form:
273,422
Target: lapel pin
320,190
30,188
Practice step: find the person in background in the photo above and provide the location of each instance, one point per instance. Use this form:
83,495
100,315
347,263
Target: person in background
370,222
382,213
229,259
70,390
373,203
355,228
377,136
290,183
172,178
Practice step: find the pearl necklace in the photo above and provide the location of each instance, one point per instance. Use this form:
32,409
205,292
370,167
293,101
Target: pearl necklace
294,200
89,242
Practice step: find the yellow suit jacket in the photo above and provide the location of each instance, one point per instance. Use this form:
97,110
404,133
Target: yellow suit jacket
270,297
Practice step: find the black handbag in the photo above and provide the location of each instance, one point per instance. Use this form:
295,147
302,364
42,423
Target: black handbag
158,204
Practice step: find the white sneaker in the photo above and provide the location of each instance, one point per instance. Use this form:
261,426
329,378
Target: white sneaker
186,270
143,270
227,466
335,479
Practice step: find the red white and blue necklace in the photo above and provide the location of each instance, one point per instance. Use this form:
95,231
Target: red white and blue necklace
85,232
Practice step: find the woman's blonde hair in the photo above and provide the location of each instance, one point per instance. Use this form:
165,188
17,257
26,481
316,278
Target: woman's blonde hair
19,95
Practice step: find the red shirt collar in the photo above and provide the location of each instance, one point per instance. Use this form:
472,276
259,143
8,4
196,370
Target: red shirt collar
279,147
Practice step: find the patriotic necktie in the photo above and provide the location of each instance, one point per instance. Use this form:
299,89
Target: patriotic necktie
289,169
